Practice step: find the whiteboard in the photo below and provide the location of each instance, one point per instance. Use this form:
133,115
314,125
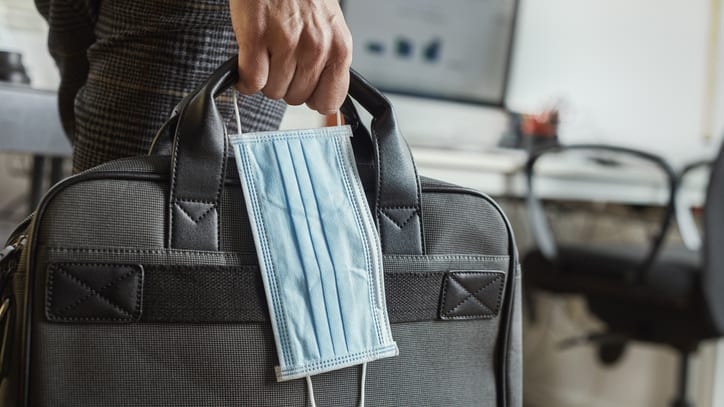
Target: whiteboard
447,49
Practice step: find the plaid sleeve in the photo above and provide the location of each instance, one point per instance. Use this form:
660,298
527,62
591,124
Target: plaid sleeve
125,64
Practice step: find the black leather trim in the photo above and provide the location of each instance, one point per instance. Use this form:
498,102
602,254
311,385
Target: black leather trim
123,293
397,186
93,292
199,155
198,163
235,294
471,295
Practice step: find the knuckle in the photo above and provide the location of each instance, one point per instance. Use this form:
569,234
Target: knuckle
252,82
326,105
316,41
343,50
315,45
286,40
294,100
273,93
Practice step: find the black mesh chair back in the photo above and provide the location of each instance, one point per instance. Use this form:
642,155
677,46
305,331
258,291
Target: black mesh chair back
713,245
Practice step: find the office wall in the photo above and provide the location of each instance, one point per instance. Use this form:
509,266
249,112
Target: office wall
628,72
23,30
631,73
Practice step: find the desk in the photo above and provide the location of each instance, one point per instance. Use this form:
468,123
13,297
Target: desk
500,173
30,124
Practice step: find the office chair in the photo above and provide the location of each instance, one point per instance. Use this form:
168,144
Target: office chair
688,227
658,294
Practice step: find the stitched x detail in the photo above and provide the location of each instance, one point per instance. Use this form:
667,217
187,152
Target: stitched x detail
468,295
195,211
394,216
92,292
471,295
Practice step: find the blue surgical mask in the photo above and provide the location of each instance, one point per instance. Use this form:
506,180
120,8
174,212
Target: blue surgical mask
318,249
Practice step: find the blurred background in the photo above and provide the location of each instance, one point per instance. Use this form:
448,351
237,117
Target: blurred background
480,85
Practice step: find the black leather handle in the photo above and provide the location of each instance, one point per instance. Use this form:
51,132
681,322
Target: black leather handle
198,165
198,161
397,199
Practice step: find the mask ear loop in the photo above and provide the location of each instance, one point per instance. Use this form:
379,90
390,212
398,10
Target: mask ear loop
339,118
310,390
362,385
237,115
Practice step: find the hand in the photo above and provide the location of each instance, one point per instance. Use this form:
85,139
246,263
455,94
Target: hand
298,50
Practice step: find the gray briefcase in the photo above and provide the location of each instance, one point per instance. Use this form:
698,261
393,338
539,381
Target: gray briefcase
136,283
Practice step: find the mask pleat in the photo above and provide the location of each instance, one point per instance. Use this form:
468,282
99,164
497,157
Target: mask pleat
304,271
324,219
264,182
351,279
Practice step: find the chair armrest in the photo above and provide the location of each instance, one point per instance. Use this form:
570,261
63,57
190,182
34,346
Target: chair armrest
542,232
684,219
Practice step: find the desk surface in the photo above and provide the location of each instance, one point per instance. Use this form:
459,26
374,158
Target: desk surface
500,172
29,122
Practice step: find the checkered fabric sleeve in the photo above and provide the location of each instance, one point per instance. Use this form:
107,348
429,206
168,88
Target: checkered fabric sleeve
125,64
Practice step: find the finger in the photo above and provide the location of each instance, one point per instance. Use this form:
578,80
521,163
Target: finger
333,84
282,65
305,79
331,89
253,69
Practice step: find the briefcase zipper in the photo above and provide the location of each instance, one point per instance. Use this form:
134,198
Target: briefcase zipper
7,256
21,230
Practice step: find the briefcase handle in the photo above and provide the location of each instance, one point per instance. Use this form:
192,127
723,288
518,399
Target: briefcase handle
198,167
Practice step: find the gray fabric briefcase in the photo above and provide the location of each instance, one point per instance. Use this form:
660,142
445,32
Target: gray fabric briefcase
136,283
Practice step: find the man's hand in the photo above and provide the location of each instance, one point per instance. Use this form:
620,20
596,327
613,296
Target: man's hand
296,50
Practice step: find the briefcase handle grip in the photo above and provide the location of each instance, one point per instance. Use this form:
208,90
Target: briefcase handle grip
198,167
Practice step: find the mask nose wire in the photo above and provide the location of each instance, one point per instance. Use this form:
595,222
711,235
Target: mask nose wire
363,380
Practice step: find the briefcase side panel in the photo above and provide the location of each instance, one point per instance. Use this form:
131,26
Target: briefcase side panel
132,204
163,363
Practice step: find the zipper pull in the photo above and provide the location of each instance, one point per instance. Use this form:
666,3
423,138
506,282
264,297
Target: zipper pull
17,245
6,252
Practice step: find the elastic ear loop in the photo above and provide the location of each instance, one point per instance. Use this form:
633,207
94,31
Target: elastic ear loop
363,383
237,115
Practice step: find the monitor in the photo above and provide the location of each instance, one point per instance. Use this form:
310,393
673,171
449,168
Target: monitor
456,50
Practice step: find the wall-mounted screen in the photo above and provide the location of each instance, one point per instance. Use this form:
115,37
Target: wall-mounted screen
445,49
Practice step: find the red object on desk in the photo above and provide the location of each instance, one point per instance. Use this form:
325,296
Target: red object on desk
540,125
